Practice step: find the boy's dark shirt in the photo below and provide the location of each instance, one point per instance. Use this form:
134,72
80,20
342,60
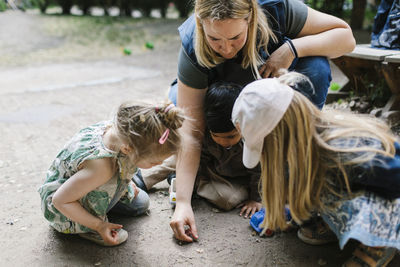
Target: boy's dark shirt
228,163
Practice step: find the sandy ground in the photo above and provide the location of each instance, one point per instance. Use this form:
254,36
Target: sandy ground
44,102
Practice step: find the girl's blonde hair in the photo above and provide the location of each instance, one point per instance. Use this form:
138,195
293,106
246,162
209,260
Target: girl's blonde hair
259,31
141,126
298,155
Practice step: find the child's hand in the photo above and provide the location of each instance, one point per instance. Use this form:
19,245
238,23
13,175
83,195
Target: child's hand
249,207
135,189
107,231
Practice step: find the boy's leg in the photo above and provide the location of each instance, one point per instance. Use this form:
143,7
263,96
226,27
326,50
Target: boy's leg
159,173
318,70
139,205
221,192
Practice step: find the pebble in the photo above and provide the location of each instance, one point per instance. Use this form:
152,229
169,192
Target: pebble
216,210
23,228
97,263
200,250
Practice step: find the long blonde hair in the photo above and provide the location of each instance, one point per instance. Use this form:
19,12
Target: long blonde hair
300,143
141,126
259,31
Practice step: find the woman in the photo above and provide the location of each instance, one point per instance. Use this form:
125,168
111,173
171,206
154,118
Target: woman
240,41
344,167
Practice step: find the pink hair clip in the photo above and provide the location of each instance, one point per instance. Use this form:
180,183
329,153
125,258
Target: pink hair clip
169,107
164,137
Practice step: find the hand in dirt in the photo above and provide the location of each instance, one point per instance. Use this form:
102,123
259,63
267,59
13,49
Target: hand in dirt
183,224
107,231
249,207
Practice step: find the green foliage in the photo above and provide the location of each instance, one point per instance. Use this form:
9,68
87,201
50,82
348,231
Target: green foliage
3,5
334,87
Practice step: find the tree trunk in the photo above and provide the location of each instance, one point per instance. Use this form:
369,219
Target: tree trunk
357,14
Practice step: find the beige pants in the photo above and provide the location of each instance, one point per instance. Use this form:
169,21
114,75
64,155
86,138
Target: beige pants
219,191
211,186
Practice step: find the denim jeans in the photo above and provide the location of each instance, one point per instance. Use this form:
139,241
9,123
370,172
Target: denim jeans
139,205
317,69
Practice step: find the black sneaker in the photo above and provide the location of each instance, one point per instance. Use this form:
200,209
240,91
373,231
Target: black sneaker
138,180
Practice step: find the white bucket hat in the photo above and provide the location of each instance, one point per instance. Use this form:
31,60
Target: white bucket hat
258,109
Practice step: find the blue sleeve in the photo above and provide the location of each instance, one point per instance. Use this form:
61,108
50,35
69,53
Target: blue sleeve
381,175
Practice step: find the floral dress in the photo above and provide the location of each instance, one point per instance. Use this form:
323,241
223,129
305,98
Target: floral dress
87,144
371,214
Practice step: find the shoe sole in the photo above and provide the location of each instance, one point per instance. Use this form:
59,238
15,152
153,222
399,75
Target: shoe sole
314,242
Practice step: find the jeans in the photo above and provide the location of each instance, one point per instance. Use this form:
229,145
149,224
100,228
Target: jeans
317,69
139,205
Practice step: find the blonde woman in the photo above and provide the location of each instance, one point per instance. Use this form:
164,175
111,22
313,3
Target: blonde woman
344,167
240,41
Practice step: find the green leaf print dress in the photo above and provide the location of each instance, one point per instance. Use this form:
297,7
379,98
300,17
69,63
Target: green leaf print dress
87,144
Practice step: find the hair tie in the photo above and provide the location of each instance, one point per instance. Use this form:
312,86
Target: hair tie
164,137
169,107
292,48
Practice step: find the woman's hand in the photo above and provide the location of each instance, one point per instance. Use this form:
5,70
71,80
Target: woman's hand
184,218
280,58
249,207
108,232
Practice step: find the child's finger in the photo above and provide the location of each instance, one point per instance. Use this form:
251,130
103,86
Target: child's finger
242,210
115,226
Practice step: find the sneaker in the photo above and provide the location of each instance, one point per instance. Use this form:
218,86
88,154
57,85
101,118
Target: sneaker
138,180
171,176
96,238
370,256
316,233
172,192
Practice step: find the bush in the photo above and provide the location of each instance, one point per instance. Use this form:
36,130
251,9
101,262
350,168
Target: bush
3,5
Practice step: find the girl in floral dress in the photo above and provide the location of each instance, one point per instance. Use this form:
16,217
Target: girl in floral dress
92,174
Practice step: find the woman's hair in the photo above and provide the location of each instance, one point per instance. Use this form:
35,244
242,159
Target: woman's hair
259,31
299,154
142,126
218,104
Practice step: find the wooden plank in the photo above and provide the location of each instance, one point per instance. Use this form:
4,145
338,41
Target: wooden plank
393,58
364,51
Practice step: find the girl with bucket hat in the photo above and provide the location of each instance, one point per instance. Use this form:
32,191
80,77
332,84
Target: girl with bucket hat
344,167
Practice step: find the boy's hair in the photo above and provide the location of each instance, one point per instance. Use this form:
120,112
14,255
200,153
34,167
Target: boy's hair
298,82
258,34
302,145
142,126
218,104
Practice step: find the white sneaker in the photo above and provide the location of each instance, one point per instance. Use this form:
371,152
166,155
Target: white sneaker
96,238
172,192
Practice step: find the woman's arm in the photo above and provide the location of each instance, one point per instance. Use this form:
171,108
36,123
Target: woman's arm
324,35
93,174
321,35
191,101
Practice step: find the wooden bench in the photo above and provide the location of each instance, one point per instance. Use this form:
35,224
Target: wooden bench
377,65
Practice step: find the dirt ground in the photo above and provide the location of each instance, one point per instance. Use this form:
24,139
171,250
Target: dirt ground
46,95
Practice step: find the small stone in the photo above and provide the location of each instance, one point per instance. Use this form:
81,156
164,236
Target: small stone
322,262
216,210
200,250
12,181
352,103
23,228
97,263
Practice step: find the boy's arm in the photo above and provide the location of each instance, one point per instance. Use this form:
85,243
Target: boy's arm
93,174
255,175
